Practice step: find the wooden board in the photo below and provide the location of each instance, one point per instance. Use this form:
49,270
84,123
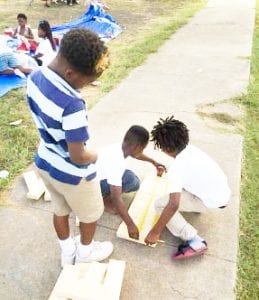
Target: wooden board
90,281
36,186
142,208
47,196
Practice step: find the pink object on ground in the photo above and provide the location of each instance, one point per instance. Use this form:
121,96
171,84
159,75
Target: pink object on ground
185,251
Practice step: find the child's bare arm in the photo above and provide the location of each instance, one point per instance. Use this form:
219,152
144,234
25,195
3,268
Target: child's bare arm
165,216
79,155
116,197
15,32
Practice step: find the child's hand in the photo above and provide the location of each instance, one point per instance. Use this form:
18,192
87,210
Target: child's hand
160,169
152,238
133,231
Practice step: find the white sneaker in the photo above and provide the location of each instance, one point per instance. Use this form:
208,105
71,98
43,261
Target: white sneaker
99,251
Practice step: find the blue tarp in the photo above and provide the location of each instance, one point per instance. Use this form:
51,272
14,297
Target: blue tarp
9,82
94,19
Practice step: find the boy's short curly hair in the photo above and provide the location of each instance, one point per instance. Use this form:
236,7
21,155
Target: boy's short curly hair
22,16
83,49
170,134
136,135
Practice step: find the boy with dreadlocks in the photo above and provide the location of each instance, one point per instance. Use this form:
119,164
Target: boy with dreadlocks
196,182
63,160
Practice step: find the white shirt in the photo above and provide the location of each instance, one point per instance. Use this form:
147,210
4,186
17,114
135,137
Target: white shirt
46,50
26,61
111,164
197,173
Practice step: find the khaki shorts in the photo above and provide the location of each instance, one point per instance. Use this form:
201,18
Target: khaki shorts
84,199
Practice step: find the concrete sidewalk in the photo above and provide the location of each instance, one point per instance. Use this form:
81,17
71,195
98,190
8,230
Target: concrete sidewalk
206,61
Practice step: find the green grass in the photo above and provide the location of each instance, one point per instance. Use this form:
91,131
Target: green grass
248,275
221,117
18,144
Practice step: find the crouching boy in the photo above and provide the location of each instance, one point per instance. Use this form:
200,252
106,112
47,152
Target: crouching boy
196,182
115,179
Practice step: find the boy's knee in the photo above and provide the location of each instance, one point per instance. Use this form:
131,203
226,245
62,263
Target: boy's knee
136,184
105,187
130,182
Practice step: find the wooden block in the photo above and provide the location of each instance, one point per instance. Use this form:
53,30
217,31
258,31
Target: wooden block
93,281
47,196
114,277
142,208
35,185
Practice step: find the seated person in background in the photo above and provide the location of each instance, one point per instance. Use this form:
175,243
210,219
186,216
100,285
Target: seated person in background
15,63
71,2
46,50
204,183
98,2
23,29
115,179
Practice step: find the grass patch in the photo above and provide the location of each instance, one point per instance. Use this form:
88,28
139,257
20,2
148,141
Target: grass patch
247,286
17,143
221,117
143,36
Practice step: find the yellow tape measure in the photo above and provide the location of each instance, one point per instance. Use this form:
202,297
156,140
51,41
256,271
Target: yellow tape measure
149,202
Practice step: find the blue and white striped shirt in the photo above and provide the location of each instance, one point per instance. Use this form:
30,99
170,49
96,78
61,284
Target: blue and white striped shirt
60,115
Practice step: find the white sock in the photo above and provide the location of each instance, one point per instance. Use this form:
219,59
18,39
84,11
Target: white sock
68,246
84,250
196,242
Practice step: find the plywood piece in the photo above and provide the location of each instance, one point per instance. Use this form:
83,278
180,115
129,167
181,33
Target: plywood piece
47,196
142,209
114,277
90,281
35,185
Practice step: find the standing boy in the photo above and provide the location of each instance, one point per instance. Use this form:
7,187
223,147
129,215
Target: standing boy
204,183
63,160
115,179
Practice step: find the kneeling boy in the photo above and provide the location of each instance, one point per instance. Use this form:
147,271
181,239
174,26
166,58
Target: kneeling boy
204,183
115,179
